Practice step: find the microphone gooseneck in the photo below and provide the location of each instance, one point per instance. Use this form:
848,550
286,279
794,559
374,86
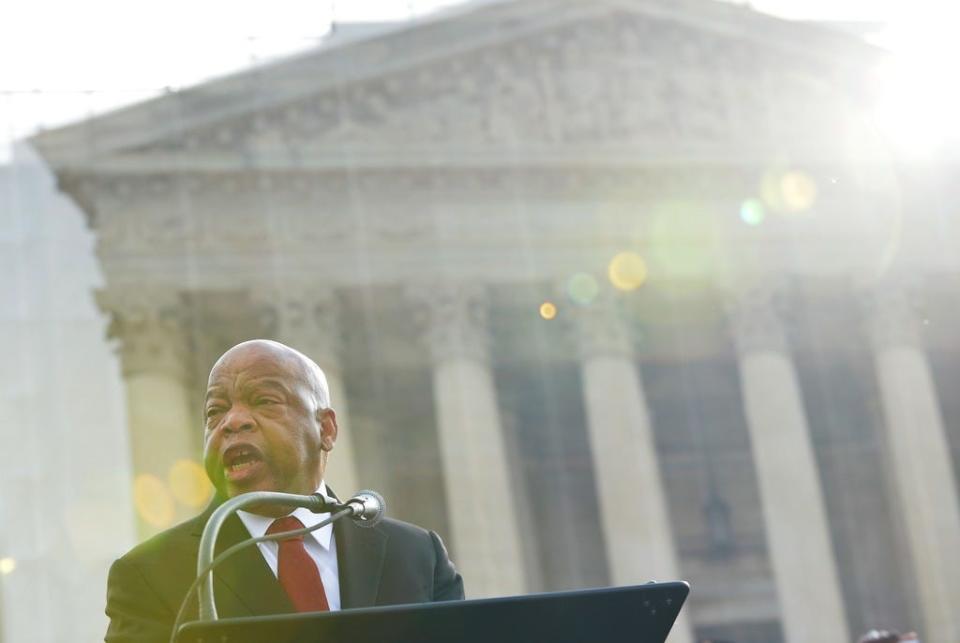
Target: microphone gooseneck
207,572
208,541
365,508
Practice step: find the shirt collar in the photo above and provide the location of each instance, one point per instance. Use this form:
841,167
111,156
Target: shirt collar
257,525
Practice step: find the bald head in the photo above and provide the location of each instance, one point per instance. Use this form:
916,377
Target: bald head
299,365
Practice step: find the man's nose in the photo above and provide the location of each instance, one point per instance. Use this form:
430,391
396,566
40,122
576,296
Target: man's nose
238,419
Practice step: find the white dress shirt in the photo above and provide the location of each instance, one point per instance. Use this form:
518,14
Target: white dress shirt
320,544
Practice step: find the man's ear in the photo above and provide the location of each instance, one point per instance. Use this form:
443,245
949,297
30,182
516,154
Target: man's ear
328,428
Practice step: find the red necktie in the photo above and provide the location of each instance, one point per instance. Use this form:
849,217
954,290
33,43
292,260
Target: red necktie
297,572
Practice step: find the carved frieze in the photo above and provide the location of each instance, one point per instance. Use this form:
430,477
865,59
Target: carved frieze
614,78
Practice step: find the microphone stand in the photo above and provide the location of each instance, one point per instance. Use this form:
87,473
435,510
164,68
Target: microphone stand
316,503
366,508
340,512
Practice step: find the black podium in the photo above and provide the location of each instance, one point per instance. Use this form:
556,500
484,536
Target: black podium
637,614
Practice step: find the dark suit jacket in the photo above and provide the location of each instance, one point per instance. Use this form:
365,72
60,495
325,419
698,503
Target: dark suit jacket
392,563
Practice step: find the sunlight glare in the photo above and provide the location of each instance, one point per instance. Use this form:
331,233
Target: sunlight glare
919,98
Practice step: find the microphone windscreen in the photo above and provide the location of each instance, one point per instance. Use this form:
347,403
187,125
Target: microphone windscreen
373,508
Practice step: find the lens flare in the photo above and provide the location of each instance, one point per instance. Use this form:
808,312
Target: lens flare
798,191
788,192
7,565
752,212
153,502
189,484
627,271
582,288
548,310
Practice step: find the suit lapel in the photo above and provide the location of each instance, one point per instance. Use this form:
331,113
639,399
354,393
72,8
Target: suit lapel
360,554
245,574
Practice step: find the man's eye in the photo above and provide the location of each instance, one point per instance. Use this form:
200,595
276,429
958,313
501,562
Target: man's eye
212,411
262,401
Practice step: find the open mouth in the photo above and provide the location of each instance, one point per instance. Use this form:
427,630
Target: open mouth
240,460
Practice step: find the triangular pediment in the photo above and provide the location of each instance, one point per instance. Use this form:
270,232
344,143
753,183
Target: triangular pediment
525,81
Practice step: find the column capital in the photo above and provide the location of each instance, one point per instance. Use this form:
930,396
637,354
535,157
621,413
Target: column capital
453,320
306,316
889,312
601,330
150,324
755,319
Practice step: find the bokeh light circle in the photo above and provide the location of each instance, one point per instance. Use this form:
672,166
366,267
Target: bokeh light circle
189,483
548,310
752,212
627,271
153,501
7,565
582,288
798,191
788,192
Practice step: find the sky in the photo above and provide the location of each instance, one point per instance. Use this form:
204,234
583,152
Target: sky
61,62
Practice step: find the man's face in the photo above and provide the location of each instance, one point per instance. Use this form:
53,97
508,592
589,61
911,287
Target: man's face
264,431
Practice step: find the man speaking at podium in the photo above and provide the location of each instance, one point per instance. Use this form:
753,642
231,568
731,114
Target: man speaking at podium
269,427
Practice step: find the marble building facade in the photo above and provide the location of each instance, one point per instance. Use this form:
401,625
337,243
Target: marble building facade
768,415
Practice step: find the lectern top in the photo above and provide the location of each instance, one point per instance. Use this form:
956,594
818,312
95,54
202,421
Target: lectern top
636,614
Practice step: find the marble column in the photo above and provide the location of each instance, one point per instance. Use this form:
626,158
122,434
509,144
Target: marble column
165,433
306,318
633,507
918,458
794,512
485,533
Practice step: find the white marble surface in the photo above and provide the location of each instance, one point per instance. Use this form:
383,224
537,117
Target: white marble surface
65,506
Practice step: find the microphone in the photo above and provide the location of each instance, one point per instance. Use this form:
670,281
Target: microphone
366,508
